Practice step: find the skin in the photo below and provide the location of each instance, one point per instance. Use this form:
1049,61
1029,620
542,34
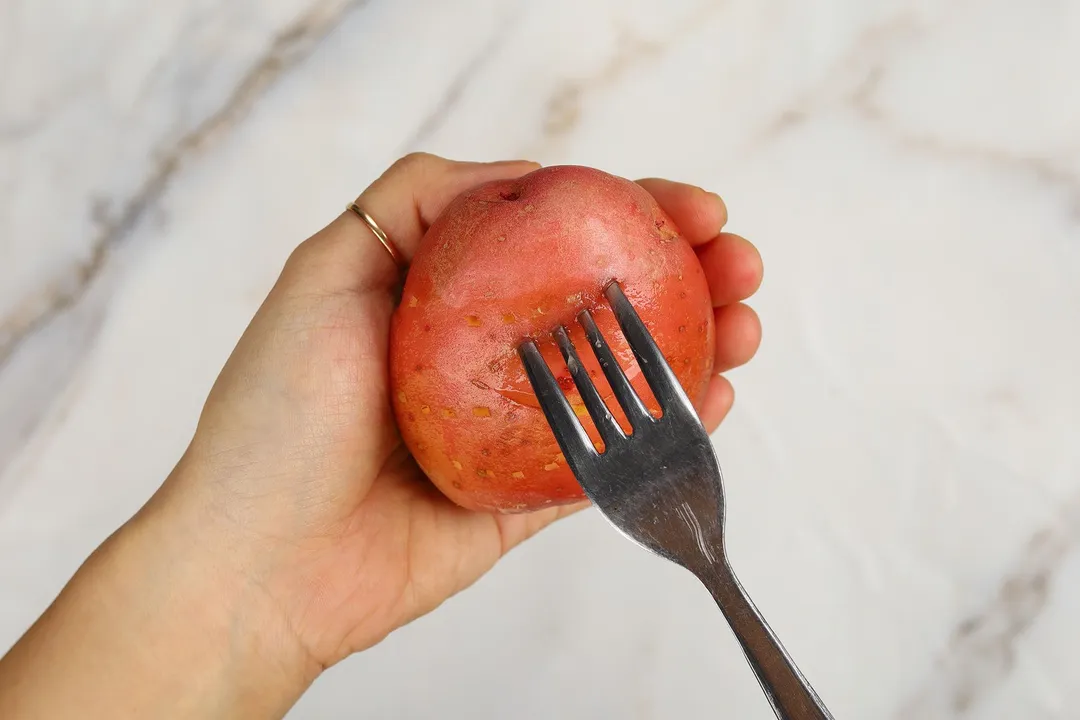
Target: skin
295,530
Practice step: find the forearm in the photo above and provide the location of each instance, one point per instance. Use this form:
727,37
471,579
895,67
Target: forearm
153,625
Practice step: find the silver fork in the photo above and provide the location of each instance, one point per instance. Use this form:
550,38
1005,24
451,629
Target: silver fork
661,485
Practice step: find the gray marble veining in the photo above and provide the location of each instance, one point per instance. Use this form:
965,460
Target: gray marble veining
911,172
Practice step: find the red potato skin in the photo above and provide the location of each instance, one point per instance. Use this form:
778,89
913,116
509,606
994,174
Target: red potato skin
511,260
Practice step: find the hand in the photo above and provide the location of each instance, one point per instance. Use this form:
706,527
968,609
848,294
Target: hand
297,455
296,509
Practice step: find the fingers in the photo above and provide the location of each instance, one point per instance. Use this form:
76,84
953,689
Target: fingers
732,264
699,215
404,201
732,267
734,271
718,401
738,336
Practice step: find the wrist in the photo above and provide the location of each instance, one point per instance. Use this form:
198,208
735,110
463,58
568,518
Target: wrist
158,622
201,612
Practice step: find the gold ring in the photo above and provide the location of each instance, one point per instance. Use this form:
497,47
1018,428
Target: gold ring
377,231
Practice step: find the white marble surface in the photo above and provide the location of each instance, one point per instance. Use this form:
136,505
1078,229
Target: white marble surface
903,462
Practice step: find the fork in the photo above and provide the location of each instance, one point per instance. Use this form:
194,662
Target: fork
661,485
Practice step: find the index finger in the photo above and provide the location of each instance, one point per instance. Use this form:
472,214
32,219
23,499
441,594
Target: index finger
699,214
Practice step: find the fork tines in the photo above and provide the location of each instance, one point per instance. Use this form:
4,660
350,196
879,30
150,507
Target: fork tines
572,438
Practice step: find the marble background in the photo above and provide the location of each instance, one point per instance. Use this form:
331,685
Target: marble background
903,462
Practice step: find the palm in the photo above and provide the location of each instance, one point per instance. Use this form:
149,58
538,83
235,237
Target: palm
421,547
380,543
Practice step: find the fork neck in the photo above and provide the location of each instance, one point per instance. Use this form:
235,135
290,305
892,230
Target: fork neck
788,691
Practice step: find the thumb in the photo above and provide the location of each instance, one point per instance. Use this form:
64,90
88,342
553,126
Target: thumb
346,256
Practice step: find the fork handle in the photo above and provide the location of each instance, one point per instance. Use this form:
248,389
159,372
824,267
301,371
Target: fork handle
790,694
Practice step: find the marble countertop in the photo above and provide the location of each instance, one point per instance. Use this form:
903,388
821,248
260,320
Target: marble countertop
903,461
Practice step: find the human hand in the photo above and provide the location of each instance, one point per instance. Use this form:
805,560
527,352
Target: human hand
297,461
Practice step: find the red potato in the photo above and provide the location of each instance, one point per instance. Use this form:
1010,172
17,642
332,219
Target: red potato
514,259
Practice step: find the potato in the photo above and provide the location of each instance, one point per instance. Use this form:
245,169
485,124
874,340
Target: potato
511,260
